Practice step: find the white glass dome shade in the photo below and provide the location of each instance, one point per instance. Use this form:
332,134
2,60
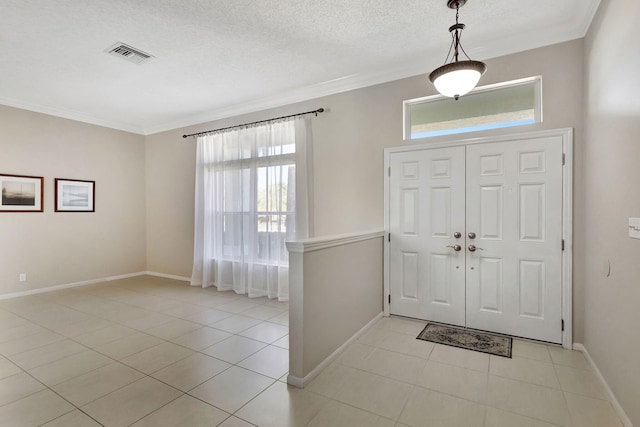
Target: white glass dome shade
457,78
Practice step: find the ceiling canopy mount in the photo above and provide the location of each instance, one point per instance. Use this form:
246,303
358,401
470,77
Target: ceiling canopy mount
456,4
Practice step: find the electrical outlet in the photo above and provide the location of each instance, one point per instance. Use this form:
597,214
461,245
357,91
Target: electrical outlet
23,277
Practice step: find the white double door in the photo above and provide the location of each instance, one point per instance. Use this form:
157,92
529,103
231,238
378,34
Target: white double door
476,236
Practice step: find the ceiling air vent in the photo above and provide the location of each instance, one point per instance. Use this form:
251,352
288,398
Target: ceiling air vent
128,53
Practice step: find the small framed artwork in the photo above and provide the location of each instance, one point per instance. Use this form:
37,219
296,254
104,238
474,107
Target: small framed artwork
21,193
74,195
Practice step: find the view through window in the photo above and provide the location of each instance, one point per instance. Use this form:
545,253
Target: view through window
258,203
508,104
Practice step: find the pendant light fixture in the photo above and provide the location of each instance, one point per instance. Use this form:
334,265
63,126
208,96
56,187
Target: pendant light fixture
457,78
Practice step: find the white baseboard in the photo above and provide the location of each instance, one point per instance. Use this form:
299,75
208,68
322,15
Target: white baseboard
69,285
91,282
612,398
296,381
168,276
302,382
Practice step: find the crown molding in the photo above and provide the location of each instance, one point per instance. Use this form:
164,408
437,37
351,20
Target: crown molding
72,115
587,18
319,90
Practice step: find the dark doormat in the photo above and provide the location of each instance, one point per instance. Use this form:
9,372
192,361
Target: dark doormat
468,339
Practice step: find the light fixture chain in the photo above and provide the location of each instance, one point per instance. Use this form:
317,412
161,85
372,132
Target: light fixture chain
457,33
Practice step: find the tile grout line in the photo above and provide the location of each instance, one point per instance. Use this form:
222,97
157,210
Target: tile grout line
124,364
93,349
486,390
61,397
485,404
564,396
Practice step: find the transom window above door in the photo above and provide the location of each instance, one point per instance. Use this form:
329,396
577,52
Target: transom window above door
514,103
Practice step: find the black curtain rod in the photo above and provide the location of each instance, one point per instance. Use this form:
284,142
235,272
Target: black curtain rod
319,110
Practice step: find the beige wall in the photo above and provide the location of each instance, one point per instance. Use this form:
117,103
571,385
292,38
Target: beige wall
612,152
349,139
170,203
334,292
61,248
342,293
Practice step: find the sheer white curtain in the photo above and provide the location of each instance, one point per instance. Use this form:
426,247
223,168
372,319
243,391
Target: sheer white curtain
252,195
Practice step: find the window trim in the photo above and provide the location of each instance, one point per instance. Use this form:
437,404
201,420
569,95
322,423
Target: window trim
247,163
406,105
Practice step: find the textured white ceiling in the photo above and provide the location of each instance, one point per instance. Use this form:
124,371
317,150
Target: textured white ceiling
217,58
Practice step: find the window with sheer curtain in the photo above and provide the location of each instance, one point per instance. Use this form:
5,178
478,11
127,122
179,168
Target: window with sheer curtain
246,199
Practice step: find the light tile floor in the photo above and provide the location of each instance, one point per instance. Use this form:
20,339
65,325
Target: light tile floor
149,351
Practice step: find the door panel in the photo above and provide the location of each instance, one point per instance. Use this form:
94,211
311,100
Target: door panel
532,286
409,279
491,292
532,212
491,201
514,205
426,208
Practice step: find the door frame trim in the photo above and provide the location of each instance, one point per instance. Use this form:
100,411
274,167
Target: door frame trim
567,211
